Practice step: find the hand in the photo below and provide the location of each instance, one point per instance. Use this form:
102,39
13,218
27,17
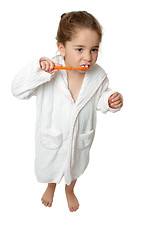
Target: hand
48,66
115,101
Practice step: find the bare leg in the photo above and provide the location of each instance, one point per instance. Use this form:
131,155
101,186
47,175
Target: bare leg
47,197
73,203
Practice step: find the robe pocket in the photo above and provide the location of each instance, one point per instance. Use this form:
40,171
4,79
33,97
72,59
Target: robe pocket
85,140
50,139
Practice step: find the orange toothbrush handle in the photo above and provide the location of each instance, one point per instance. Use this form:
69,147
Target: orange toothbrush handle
62,68
70,68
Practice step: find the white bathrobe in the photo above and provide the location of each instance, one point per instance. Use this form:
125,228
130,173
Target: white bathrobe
64,129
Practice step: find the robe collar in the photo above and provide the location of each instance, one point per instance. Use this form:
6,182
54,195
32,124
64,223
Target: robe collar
92,80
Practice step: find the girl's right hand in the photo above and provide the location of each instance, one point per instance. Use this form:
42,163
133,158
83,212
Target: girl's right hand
48,66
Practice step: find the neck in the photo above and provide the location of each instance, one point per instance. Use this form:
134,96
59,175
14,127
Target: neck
73,74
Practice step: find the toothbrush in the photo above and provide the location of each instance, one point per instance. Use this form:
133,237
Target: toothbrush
72,68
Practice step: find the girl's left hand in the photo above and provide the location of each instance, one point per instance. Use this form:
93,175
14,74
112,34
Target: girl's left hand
115,101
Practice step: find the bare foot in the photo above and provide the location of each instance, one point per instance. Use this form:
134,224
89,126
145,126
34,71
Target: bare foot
73,203
47,197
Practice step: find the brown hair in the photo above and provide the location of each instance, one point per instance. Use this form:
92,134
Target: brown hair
71,21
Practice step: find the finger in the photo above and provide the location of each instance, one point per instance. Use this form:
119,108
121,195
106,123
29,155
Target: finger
118,98
43,65
117,105
51,66
56,70
114,95
47,66
113,100
57,64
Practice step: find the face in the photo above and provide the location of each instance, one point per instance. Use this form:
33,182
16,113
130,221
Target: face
81,50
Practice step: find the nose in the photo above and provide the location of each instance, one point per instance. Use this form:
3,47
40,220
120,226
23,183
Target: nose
88,56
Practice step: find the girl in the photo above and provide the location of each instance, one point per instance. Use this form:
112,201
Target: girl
66,103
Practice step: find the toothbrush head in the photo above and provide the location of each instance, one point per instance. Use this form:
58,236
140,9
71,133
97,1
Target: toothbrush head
85,66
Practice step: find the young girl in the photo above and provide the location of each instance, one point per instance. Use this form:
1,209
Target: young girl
66,103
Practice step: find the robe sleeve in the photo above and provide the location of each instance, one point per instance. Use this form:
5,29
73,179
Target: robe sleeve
27,81
106,92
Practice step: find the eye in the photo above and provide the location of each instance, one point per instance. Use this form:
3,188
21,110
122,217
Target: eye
79,49
95,50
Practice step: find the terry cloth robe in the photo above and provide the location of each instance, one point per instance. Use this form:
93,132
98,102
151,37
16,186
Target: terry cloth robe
64,129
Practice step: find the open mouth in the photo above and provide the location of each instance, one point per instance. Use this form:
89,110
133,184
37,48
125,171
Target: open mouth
85,65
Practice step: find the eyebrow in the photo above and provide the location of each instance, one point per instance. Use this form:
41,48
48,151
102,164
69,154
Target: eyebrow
84,46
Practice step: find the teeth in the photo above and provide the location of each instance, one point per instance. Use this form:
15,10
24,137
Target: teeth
84,65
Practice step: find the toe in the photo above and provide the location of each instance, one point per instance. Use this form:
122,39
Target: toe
45,203
50,204
71,209
75,208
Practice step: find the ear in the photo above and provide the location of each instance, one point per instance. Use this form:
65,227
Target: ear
61,49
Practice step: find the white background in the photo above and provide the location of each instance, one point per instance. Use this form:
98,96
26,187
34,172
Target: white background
119,193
